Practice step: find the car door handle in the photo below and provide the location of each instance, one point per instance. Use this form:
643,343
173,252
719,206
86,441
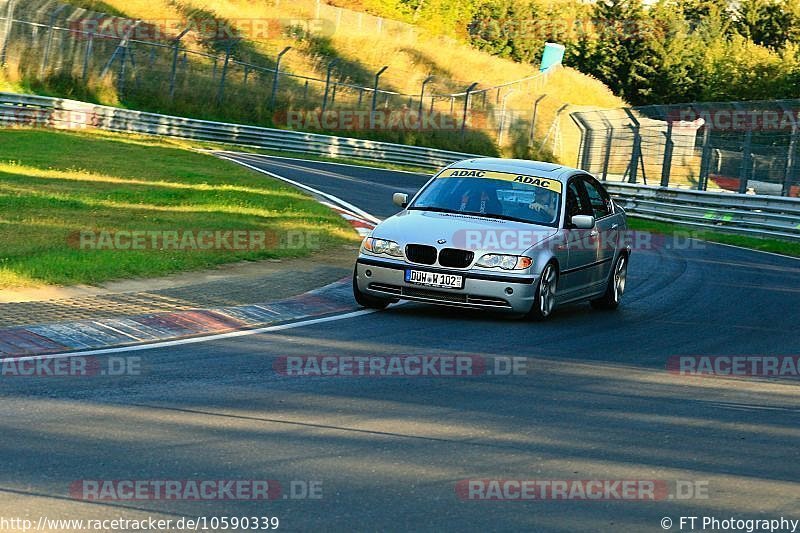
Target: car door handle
593,233
614,226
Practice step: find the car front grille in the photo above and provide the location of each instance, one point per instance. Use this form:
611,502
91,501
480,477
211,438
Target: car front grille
435,295
420,253
391,289
454,258
440,296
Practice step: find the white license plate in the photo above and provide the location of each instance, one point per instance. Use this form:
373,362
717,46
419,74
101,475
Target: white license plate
434,279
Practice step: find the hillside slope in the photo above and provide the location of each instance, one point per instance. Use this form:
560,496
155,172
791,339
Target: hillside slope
361,43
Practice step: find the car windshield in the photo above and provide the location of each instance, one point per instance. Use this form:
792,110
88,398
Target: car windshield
494,195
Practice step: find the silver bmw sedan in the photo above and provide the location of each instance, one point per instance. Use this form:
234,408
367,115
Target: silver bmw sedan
501,234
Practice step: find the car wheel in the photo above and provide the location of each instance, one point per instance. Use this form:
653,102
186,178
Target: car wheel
365,300
545,300
616,285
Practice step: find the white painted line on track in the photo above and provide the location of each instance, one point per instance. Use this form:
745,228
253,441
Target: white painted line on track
312,190
194,340
368,167
356,213
325,162
749,249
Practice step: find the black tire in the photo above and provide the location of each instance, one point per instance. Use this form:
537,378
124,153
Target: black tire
615,286
365,300
545,292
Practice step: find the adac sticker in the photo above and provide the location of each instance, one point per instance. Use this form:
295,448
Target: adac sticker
544,183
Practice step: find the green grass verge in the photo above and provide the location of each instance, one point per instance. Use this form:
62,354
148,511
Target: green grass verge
54,184
777,246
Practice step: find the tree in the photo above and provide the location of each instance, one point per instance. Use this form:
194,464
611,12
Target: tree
625,56
770,23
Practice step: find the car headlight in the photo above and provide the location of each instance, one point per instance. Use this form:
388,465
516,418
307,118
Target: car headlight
506,262
381,246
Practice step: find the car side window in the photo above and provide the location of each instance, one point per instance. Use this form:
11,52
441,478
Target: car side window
598,198
576,202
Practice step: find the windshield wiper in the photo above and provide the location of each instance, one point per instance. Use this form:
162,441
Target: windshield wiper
433,209
473,214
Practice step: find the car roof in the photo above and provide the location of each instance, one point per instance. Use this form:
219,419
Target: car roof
518,166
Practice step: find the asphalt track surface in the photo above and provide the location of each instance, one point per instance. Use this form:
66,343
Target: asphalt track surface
595,404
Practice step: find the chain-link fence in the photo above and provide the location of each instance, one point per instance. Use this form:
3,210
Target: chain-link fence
735,146
205,66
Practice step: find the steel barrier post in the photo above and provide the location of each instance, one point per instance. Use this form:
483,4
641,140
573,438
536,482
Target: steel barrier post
275,78
669,146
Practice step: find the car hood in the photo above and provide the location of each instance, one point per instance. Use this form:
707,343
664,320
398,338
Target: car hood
467,232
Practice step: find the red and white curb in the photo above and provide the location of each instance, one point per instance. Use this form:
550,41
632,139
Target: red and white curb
165,329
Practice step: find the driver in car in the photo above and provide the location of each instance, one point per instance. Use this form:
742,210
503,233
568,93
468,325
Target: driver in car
481,197
542,204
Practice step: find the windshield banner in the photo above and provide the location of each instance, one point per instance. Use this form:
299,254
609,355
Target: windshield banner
544,183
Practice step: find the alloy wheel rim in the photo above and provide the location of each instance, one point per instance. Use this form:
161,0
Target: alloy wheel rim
620,276
547,291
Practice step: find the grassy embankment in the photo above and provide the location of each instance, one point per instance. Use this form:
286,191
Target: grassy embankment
54,184
777,246
360,51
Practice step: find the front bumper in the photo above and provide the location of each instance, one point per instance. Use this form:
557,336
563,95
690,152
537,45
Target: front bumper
385,278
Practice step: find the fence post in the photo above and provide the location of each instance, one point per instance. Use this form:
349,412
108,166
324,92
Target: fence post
533,118
669,145
121,72
87,56
224,75
705,160
132,58
174,70
7,32
422,98
119,49
49,42
747,158
466,108
633,166
636,153
791,161
502,128
375,88
275,78
607,158
331,64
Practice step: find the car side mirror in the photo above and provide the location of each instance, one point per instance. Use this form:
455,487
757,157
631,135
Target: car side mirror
582,222
400,199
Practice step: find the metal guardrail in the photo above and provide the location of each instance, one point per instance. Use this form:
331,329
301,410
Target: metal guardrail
760,216
42,111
